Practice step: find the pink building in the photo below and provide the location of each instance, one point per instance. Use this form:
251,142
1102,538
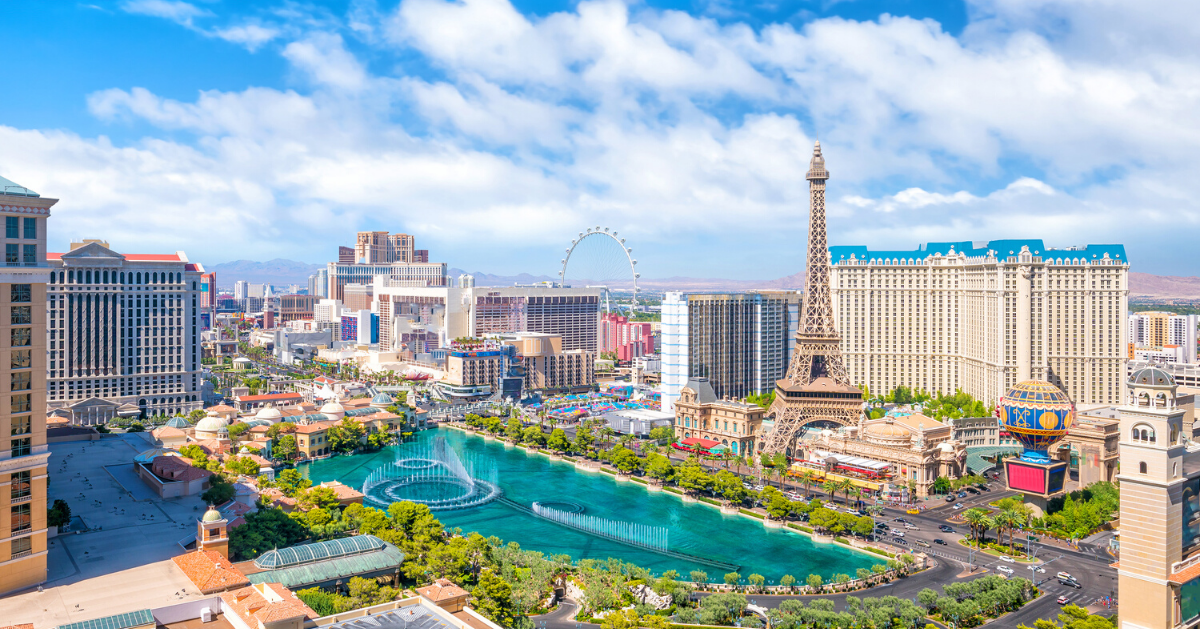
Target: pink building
628,340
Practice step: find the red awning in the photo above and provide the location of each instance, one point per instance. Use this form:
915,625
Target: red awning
707,444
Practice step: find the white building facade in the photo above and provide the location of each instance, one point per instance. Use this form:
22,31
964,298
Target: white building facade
674,349
982,317
1164,336
123,328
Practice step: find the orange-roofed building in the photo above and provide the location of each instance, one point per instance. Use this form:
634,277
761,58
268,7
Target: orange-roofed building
346,494
173,476
445,594
169,437
312,439
268,606
210,572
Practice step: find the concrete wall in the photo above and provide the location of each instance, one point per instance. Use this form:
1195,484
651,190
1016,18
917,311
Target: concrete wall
186,611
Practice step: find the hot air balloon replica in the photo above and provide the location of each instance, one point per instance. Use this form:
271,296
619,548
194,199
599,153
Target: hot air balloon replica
1038,415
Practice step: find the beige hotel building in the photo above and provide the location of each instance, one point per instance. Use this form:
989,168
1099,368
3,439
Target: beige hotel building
982,317
23,454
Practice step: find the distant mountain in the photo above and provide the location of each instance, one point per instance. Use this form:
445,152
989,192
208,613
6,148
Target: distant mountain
277,271
487,279
1146,286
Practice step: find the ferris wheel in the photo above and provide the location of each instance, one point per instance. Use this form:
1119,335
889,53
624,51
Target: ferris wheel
598,258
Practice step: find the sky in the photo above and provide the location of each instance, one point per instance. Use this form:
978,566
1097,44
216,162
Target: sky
495,131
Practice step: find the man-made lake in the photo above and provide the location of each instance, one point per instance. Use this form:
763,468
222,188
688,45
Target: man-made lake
695,530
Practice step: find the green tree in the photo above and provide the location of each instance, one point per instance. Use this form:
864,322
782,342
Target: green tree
242,465
237,430
662,434
197,415
346,436
756,580
220,491
492,597
136,427
730,487
699,576
264,530
285,447
533,436
513,432
291,482
732,578
787,581
379,439
558,441
692,479
318,498
941,485
625,460
59,513
322,602
815,581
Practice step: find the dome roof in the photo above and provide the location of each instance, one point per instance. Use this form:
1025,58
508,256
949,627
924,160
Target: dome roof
332,406
241,359
383,399
1037,391
213,424
1038,415
146,456
1151,377
179,422
887,430
269,413
212,515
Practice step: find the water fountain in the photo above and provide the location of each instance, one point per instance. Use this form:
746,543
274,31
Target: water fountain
642,535
433,475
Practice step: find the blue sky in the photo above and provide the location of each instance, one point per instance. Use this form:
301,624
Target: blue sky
495,130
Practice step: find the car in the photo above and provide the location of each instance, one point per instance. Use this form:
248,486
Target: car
1071,583
940,541
1062,600
946,529
910,526
900,520
922,543
899,540
913,511
962,494
950,498
958,506
1006,559
1065,575
1004,569
897,532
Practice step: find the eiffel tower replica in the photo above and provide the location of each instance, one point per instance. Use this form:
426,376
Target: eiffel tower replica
816,387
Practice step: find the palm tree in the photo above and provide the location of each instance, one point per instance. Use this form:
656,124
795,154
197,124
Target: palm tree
975,519
857,492
831,487
807,478
845,485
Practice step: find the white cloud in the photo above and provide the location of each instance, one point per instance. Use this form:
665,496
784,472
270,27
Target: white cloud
182,13
671,128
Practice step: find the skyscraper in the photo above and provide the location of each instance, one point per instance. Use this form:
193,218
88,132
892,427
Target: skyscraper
23,461
739,342
816,388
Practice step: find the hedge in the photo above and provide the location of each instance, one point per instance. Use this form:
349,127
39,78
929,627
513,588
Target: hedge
842,540
878,551
673,490
801,528
710,501
608,471
638,480
752,514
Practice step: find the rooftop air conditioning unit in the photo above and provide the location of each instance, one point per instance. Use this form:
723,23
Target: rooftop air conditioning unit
207,615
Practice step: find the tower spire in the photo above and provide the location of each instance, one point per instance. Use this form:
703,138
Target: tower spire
799,398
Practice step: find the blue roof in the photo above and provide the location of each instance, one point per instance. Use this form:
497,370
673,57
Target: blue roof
1003,249
119,621
15,189
179,422
308,553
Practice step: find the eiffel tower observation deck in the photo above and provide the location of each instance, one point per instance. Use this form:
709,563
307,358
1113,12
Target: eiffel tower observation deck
816,389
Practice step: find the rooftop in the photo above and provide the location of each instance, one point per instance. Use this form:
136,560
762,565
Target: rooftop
1002,249
12,188
265,603
209,571
308,553
119,621
441,590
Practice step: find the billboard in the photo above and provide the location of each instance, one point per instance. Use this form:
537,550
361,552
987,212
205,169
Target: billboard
1029,478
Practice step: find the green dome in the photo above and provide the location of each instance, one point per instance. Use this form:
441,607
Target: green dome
212,515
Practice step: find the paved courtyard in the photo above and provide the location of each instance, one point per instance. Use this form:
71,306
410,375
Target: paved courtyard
131,536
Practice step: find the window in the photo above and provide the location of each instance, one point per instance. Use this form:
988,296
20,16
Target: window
21,315
30,257
21,425
1142,467
30,229
21,337
21,484
22,381
12,227
12,254
21,293
22,358
22,520
22,547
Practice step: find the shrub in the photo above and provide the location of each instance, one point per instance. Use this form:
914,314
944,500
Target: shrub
842,540
751,514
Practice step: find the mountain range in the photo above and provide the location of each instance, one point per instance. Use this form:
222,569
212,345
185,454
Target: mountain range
1143,286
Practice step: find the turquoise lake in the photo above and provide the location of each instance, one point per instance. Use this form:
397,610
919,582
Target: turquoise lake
695,529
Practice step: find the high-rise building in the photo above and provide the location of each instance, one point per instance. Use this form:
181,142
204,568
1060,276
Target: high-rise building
124,333
318,283
208,300
983,317
240,291
453,312
345,255
296,307
627,339
380,254
1159,479
739,342
384,248
1150,331
24,458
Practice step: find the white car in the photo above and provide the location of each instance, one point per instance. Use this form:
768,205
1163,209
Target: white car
1004,569
1006,559
897,532
911,527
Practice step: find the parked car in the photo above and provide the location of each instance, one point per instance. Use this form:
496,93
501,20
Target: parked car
1006,559
1062,600
946,529
940,541
1004,569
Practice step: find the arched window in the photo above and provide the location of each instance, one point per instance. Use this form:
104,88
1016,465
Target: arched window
1143,433
1175,469
139,278
1142,467
106,277
155,281
122,277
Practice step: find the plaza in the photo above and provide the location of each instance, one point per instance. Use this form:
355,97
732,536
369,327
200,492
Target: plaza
126,547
